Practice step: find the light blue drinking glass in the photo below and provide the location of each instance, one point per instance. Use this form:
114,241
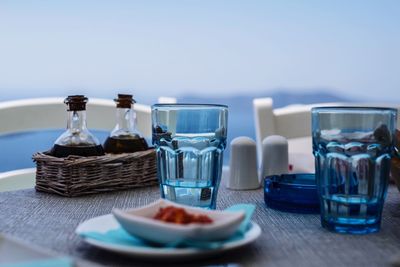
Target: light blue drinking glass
189,141
352,148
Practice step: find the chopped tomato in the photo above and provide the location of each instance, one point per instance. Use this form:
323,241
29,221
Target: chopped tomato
172,214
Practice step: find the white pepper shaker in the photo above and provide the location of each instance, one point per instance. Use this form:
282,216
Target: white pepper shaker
243,173
275,156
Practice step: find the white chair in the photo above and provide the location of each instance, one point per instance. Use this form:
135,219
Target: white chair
50,113
18,179
294,123
167,100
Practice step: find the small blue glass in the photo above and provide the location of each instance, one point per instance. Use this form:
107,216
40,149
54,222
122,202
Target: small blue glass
189,141
292,193
353,147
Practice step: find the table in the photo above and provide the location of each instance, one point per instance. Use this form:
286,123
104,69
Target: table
288,239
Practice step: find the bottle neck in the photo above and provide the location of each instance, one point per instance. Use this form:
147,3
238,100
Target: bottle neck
126,120
76,120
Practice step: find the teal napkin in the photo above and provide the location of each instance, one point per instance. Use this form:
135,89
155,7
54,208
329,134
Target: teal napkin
249,210
55,262
119,236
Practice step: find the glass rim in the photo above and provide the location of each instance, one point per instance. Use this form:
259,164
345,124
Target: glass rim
189,105
348,108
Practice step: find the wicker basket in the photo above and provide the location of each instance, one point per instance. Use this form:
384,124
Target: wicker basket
76,176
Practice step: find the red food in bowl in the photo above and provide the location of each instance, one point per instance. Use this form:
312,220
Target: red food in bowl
172,214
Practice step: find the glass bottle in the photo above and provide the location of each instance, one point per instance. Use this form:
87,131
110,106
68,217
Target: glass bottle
125,138
77,140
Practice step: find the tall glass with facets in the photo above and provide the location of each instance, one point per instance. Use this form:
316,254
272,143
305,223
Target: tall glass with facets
352,148
190,140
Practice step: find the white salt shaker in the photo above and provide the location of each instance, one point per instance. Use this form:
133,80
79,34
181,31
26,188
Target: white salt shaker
275,156
243,173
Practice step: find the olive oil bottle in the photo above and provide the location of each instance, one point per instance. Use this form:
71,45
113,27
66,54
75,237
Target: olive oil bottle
125,138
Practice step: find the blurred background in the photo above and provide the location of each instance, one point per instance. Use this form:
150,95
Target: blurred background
226,52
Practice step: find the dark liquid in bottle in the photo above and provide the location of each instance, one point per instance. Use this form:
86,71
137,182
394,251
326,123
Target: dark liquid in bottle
84,151
118,145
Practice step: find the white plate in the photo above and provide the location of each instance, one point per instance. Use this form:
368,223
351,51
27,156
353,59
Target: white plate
105,223
139,222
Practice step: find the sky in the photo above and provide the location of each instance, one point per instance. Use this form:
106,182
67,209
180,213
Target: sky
207,47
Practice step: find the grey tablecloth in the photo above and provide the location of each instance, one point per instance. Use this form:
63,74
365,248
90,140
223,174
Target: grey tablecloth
287,240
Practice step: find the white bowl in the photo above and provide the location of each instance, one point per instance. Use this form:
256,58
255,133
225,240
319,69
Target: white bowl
140,223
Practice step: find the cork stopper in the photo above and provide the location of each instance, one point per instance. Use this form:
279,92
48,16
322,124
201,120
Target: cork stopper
76,102
124,101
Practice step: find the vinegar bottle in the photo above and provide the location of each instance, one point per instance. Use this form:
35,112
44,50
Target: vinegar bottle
125,138
76,140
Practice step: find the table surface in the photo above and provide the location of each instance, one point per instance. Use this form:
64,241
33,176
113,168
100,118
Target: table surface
288,239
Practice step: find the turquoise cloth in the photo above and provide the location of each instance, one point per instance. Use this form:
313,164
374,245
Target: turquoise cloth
55,262
119,236
249,210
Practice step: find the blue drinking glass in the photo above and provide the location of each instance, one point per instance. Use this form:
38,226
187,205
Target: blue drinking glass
352,148
189,141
